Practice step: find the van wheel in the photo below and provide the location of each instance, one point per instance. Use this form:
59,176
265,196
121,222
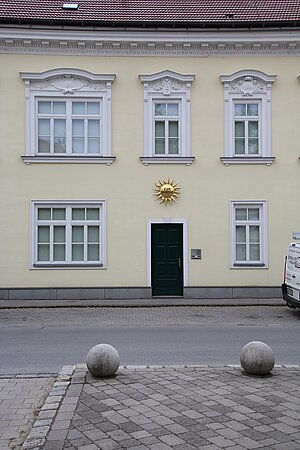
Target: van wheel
291,306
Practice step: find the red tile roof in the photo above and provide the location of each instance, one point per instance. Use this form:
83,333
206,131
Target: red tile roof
204,12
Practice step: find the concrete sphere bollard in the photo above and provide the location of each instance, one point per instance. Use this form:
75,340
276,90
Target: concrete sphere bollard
257,358
103,360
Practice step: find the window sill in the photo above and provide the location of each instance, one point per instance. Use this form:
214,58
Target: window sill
187,160
108,160
68,266
249,265
227,160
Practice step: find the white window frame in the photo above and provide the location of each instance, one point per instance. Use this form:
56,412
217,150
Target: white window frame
245,120
67,84
163,87
167,119
34,222
248,86
262,206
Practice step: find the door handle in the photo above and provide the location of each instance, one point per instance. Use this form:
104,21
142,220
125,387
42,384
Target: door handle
179,263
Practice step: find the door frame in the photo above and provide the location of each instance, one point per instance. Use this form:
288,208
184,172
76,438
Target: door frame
168,220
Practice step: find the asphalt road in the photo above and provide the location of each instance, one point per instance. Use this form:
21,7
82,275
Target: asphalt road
48,349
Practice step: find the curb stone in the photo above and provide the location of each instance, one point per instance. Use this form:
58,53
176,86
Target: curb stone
37,436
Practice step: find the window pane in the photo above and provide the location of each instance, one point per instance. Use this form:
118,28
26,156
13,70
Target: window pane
253,129
93,128
59,107
240,109
44,213
172,109
59,252
44,135
253,146
77,252
241,214
77,136
78,234
252,109
59,214
239,146
59,136
78,214
254,252
59,234
44,107
253,213
93,108
43,234
93,145
78,107
173,146
240,234
239,129
241,252
44,127
44,144
160,109
254,233
93,234
78,145
92,213
159,129
93,252
159,146
173,129
43,252
78,128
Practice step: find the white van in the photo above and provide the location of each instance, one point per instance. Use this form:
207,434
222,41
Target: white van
291,282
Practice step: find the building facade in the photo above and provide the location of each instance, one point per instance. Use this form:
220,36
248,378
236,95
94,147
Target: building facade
148,156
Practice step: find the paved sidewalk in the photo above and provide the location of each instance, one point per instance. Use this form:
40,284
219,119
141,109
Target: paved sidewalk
21,397
161,408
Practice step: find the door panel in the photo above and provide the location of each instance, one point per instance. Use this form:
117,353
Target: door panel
167,259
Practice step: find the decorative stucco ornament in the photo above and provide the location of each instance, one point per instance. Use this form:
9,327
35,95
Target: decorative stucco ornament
166,191
248,86
166,85
68,84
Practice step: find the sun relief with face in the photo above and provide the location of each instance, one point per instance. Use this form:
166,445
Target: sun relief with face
166,191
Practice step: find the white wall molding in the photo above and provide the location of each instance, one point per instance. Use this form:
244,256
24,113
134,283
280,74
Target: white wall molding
148,43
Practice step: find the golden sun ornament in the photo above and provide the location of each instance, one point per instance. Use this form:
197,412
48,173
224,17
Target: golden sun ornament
166,191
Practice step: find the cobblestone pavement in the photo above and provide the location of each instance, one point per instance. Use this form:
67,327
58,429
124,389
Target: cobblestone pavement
20,401
163,408
150,316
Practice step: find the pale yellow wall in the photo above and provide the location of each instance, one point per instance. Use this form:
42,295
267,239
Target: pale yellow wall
127,185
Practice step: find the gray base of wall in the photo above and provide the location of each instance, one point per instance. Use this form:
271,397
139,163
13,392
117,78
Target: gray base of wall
119,293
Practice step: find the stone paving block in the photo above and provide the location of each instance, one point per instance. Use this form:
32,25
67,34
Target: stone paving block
286,446
284,428
54,445
221,441
171,439
108,444
88,447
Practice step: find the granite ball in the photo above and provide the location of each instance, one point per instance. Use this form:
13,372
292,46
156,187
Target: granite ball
257,358
103,360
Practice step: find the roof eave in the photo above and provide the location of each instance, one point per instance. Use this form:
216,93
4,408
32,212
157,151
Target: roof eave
153,24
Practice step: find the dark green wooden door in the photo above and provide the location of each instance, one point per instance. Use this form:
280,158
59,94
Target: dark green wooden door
167,259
